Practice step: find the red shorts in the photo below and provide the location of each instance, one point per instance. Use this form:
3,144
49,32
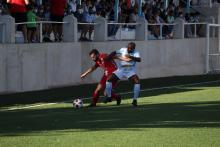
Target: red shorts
103,82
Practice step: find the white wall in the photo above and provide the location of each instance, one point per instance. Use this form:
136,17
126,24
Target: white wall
27,67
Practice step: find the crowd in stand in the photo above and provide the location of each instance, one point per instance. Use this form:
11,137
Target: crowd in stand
86,12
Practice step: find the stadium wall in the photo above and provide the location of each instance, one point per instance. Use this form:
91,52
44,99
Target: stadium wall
28,67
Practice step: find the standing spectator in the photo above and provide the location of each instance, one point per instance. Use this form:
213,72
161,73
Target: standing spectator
19,12
57,10
47,29
32,26
1,9
88,17
170,20
133,17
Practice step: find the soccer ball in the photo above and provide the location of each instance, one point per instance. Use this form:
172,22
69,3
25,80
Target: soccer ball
78,103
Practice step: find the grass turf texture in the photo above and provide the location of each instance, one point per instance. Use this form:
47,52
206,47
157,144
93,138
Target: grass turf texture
181,116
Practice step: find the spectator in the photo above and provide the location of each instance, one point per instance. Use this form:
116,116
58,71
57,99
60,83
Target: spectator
57,10
19,12
88,17
47,27
170,20
133,17
32,35
72,6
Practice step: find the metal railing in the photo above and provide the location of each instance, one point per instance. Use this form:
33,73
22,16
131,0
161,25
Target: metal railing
80,30
161,28
134,29
200,3
115,30
191,29
41,26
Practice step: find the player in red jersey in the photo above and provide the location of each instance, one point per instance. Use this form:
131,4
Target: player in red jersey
109,66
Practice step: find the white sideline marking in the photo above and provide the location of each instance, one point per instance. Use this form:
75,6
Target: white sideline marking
123,93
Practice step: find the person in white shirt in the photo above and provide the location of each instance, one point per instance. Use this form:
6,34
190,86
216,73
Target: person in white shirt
126,69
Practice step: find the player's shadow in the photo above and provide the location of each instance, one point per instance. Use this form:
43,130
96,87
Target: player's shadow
82,91
67,119
66,94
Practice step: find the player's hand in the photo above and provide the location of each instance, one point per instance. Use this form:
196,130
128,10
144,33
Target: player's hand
128,56
124,59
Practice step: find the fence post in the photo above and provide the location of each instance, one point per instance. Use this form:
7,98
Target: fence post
178,31
70,29
141,29
100,29
212,32
218,30
9,29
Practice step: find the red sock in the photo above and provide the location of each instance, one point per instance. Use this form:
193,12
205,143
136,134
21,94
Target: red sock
95,97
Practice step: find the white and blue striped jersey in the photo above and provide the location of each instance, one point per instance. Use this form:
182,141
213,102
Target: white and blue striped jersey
122,52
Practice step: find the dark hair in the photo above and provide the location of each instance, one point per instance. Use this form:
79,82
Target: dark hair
132,44
94,51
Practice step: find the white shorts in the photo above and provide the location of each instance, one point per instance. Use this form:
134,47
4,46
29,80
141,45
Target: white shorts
125,72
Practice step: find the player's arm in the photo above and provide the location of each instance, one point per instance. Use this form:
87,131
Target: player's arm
123,58
91,69
26,2
136,59
112,55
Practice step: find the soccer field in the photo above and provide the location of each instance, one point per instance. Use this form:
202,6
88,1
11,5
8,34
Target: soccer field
167,116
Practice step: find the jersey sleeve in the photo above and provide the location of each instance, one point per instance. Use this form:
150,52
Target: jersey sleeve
137,54
119,52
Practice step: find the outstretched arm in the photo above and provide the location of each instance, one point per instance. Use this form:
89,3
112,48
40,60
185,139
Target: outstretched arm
112,55
91,69
136,59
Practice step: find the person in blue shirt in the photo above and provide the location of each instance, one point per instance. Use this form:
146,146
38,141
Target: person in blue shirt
128,57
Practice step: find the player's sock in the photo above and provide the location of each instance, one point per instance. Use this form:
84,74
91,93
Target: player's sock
108,89
136,91
95,97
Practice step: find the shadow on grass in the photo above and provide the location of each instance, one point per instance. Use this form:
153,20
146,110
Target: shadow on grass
125,117
70,92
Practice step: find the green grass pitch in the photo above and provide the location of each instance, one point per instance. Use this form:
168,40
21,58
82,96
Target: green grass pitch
183,116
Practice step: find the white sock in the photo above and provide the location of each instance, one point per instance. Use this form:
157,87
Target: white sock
108,89
136,91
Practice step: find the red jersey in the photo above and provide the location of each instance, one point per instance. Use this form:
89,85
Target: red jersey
109,66
18,6
58,7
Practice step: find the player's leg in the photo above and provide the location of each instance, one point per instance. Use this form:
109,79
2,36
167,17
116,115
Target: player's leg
112,78
100,87
136,82
96,94
115,96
